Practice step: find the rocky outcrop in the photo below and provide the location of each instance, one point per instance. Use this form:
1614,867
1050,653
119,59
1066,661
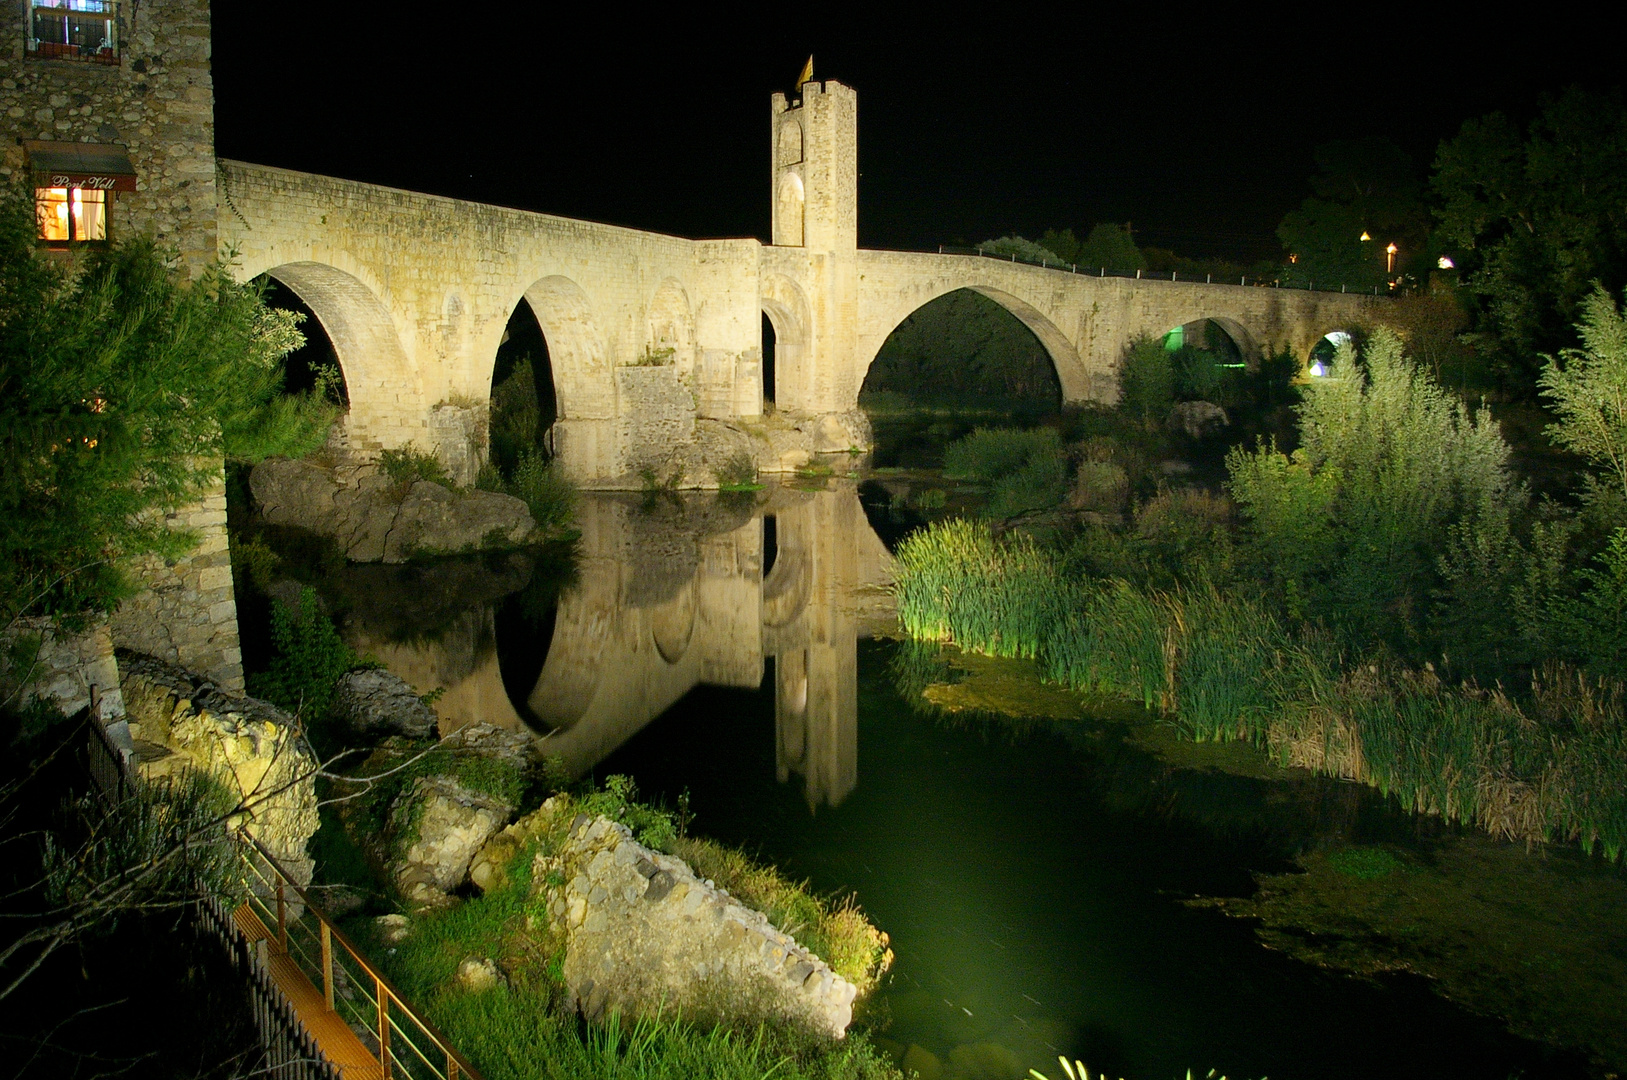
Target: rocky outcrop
182,721
642,933
438,825
375,701
375,520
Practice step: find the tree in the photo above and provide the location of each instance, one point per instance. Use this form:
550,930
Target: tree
1588,388
1534,218
121,390
1365,187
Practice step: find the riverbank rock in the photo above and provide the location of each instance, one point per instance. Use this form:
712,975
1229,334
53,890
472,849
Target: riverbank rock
644,934
179,721
376,520
1198,419
438,825
375,701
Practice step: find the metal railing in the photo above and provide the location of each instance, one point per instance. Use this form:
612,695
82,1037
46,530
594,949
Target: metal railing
1144,275
291,1052
402,1040
399,1039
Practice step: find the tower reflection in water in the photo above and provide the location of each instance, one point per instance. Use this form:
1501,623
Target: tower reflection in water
694,589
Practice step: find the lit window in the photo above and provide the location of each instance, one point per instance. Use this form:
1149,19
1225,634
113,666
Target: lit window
75,30
69,215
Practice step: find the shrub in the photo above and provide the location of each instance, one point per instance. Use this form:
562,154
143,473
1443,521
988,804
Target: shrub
407,465
542,486
1147,381
737,473
1025,469
307,659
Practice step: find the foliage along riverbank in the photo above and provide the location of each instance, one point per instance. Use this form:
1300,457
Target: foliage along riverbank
1307,613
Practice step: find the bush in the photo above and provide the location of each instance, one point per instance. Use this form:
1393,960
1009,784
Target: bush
407,465
1026,469
738,473
1147,381
542,486
307,659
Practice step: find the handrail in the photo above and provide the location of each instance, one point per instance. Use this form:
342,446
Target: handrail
1140,275
457,1067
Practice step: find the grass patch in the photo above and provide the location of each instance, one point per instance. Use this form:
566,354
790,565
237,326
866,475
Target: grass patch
835,929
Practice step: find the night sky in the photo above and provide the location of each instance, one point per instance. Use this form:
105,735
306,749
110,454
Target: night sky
1199,129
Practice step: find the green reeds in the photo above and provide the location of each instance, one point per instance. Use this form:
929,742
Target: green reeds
1221,667
1000,597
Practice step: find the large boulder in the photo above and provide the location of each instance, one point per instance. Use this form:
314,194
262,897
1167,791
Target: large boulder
374,519
437,826
374,701
182,721
643,934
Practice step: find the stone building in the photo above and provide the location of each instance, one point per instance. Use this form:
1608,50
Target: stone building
107,112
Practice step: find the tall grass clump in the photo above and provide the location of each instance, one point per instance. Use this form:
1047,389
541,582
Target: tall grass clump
542,486
834,929
988,454
957,583
1201,658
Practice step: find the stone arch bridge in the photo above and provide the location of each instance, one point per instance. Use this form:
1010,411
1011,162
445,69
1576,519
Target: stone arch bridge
655,341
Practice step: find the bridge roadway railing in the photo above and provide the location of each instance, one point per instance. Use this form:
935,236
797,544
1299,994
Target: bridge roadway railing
357,1026
1144,275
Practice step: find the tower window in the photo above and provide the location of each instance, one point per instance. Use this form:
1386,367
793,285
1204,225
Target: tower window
70,215
85,30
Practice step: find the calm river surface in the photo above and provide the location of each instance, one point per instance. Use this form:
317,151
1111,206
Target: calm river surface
1031,878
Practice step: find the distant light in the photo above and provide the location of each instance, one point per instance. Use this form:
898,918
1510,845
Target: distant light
1364,235
1293,258
1445,263
1319,369
1392,249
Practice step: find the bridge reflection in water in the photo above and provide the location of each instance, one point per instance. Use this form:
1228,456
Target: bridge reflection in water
692,589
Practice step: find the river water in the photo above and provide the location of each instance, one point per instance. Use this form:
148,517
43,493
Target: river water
1031,876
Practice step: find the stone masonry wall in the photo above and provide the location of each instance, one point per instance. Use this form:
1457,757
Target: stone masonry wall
188,614
157,103
63,669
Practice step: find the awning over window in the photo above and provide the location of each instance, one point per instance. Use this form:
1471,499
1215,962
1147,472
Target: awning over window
80,165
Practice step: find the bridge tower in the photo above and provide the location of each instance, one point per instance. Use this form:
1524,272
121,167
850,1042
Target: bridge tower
814,174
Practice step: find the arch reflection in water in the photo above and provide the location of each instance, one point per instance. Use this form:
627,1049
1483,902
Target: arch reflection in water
668,597
674,596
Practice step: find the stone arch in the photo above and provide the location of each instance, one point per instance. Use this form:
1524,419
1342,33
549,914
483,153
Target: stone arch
1070,369
672,326
787,309
790,148
576,349
788,203
1247,347
386,400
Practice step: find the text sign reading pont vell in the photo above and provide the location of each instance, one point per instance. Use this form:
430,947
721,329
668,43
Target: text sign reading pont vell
95,183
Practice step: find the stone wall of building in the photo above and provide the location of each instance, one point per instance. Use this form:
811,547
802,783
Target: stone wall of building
157,103
41,661
188,614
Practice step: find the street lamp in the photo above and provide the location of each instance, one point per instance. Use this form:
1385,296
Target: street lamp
1390,251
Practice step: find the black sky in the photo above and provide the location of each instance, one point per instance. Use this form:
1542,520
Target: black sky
1197,127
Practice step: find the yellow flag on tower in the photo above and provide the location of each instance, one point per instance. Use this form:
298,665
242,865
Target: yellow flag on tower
807,73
